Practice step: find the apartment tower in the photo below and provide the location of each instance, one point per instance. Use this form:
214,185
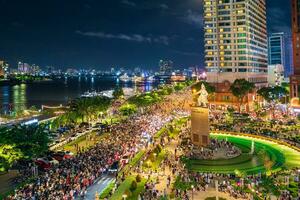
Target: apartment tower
236,40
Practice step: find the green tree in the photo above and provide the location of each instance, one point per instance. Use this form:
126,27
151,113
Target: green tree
273,95
87,108
209,88
8,155
118,92
24,141
240,89
128,109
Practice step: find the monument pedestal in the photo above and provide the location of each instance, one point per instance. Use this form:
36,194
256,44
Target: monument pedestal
200,126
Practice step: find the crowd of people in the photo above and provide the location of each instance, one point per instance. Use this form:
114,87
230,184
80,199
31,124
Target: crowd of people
71,178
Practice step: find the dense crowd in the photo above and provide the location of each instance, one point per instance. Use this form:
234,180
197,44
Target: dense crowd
71,178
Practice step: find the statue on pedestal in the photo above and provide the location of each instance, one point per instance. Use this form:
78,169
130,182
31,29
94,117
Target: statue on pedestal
202,99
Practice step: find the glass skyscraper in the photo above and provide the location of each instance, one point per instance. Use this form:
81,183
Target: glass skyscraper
276,49
236,40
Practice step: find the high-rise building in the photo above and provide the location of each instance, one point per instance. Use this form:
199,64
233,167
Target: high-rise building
3,69
165,67
276,47
23,68
279,48
295,78
236,40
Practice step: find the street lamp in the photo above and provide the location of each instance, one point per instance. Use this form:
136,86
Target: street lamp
101,114
192,192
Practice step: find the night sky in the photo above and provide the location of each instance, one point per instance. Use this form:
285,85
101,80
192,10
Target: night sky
105,33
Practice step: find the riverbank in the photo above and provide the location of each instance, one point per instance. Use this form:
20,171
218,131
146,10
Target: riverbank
12,82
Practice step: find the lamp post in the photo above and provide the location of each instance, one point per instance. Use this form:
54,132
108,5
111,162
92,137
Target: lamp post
124,196
101,114
192,192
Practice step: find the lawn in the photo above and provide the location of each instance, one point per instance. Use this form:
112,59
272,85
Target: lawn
133,161
124,188
153,162
83,142
106,192
280,157
176,125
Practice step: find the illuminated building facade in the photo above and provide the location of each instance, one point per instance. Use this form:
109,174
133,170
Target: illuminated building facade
275,75
236,40
295,78
3,69
165,67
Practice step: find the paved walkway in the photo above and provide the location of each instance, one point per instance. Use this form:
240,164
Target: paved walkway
168,171
212,193
6,181
98,187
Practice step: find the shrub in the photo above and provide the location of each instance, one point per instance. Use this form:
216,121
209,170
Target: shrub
133,186
138,178
158,149
128,109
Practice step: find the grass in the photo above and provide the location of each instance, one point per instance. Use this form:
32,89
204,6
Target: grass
124,188
160,132
176,125
155,162
83,142
279,155
112,120
106,192
160,157
132,162
181,185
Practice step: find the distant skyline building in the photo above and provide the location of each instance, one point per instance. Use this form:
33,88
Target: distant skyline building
165,67
4,69
276,44
23,68
295,78
236,40
279,51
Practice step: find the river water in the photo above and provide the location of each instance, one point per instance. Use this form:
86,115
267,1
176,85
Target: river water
56,92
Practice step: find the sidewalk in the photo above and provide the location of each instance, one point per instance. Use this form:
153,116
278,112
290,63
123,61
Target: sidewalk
212,193
6,181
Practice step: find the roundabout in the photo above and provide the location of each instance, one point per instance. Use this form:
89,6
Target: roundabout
258,156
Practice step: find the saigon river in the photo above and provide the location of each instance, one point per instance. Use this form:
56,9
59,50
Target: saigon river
56,92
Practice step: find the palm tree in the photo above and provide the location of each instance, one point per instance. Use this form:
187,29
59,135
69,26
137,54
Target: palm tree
241,88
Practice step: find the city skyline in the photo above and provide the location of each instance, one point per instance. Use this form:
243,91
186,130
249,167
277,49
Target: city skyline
118,33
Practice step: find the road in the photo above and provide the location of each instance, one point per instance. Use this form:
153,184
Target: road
99,186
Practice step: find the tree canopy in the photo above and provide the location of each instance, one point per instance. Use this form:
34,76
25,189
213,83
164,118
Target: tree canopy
118,92
241,87
209,88
22,142
83,109
271,94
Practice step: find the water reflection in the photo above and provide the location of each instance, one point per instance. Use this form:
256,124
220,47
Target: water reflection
16,98
19,98
5,100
